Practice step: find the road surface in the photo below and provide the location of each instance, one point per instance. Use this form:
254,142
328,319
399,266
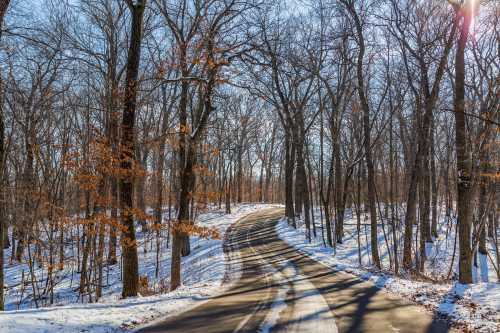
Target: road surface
282,290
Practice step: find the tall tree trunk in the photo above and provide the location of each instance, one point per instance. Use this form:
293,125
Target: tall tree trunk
424,206
129,245
289,168
160,167
269,165
86,242
140,187
464,163
113,230
304,192
113,118
324,198
434,186
99,214
298,157
178,233
228,181
187,148
391,198
239,175
4,4
339,193
486,190
302,188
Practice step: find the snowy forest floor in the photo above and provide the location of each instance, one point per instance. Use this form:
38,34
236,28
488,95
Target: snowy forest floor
473,307
203,273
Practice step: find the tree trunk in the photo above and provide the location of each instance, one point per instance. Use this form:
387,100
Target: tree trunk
3,229
140,187
289,166
239,175
3,226
129,245
113,230
424,206
302,203
99,214
391,199
434,186
228,188
178,233
269,166
339,193
464,163
187,148
86,242
297,147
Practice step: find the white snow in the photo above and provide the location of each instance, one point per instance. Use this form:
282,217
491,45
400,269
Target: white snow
204,272
278,305
483,264
475,307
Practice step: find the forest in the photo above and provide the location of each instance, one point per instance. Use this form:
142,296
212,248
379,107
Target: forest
130,128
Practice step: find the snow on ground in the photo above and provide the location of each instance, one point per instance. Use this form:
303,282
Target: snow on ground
203,273
474,307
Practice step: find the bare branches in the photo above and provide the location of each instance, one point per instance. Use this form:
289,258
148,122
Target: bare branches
187,79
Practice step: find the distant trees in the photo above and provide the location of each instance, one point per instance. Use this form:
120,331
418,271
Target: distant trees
126,113
358,25
425,94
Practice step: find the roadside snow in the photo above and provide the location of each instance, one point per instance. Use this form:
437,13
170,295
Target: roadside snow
109,316
474,307
204,272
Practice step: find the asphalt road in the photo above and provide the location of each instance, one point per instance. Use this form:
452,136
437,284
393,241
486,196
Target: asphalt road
282,290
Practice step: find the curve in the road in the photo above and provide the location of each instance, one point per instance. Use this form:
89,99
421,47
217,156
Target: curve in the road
283,290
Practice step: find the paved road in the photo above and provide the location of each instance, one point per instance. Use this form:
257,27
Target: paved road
281,290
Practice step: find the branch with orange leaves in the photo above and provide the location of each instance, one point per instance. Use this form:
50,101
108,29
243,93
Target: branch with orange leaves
187,228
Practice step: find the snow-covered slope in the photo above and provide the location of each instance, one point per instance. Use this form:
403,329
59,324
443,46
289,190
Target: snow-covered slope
204,272
475,307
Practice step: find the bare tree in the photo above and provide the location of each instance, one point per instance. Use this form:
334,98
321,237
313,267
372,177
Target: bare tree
129,245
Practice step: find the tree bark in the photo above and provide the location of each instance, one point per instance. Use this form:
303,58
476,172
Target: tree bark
140,186
464,163
129,245
289,168
424,206
339,193
4,4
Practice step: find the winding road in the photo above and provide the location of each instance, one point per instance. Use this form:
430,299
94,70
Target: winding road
282,290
